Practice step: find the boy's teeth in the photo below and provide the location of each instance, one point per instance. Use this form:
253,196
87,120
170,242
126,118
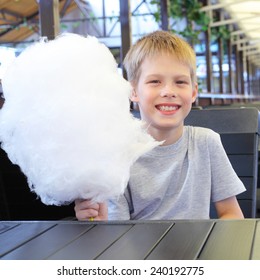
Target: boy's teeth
168,108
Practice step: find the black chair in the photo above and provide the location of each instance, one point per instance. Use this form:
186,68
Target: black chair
4,212
17,202
239,132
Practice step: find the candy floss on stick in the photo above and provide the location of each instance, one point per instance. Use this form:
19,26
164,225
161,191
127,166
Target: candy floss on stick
66,120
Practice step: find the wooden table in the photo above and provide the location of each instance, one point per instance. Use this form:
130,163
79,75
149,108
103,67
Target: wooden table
135,240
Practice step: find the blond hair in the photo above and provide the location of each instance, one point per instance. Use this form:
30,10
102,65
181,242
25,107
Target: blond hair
155,43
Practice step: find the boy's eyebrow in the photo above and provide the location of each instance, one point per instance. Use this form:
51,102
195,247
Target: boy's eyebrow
183,76
152,75
161,75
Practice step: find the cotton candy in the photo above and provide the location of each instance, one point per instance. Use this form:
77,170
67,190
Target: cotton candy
66,121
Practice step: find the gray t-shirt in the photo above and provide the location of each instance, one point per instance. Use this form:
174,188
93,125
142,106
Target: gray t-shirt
178,181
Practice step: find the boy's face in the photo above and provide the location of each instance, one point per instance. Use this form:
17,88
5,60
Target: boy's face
164,93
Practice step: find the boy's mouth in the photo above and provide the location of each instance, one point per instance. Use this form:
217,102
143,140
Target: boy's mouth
167,108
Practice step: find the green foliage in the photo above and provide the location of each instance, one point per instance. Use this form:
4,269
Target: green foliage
220,32
196,20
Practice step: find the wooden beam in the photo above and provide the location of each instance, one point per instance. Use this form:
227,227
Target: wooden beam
164,14
126,34
49,18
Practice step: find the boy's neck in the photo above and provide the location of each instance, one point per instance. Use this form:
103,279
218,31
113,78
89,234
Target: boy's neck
169,136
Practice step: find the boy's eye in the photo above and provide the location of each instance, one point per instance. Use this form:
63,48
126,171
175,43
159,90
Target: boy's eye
181,82
154,82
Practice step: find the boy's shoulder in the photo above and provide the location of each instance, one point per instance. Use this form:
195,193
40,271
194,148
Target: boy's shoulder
199,130
203,140
202,134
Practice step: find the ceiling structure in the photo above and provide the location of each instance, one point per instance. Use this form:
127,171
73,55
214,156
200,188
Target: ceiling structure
19,19
245,16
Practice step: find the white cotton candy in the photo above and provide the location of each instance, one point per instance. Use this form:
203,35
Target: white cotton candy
66,121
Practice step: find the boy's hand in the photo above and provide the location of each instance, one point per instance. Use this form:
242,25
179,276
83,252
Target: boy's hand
86,210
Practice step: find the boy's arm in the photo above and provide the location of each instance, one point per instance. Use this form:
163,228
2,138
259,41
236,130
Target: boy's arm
229,209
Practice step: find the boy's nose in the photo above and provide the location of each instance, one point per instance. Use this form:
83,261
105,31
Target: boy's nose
168,91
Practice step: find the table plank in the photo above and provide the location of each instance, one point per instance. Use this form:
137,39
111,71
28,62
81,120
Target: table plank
184,241
256,244
137,242
230,240
92,243
4,226
48,243
20,234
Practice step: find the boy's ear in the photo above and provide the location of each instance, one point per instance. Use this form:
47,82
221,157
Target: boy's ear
194,92
134,96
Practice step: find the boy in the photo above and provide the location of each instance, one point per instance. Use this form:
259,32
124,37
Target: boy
178,179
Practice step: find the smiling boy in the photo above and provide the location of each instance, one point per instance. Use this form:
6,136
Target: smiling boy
180,178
